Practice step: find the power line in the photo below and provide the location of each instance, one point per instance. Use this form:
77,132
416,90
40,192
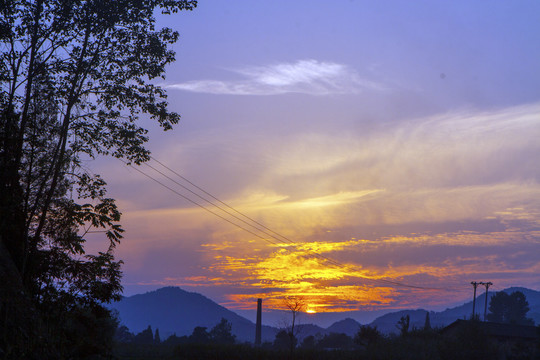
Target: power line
267,231
214,204
330,260
197,204
221,202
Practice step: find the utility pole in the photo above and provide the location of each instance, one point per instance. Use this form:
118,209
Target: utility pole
487,285
475,285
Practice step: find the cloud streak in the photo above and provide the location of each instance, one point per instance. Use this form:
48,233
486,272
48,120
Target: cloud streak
443,199
304,76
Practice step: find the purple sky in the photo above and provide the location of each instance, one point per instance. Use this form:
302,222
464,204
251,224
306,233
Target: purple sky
400,139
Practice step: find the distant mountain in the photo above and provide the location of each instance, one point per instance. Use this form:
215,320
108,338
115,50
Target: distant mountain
304,330
322,319
346,326
387,323
174,310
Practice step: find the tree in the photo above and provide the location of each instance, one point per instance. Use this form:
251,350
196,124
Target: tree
145,337
427,322
199,335
335,341
282,340
123,335
308,342
75,76
368,336
222,333
295,304
509,308
403,325
157,338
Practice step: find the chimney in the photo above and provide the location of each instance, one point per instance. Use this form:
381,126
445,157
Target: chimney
258,326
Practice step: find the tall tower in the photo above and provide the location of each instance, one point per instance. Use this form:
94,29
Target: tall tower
258,326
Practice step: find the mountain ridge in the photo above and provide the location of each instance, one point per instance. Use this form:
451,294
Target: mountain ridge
177,311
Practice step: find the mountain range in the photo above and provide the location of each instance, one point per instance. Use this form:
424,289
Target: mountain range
176,311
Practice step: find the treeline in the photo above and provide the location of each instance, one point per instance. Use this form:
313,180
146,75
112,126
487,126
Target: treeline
219,334
468,342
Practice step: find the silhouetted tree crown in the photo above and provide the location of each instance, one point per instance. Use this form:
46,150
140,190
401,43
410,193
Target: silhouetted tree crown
403,325
509,308
74,79
367,336
283,340
145,337
222,333
199,335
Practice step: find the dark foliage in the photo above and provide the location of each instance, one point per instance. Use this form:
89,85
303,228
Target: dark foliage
468,342
145,337
199,336
309,342
335,341
74,77
403,325
285,340
222,333
509,308
368,336
123,335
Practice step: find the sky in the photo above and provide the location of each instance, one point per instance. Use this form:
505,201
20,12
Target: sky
390,149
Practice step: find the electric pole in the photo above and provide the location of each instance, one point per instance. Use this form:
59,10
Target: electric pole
487,285
475,285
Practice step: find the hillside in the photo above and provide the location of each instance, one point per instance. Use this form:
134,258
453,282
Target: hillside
174,310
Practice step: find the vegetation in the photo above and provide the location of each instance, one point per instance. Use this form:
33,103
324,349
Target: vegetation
295,305
462,340
74,79
468,342
509,308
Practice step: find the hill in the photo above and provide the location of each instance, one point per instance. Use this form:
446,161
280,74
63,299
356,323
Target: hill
346,326
174,310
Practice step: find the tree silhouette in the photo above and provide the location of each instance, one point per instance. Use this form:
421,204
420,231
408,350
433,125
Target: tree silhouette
145,337
403,325
427,322
283,340
222,333
295,305
368,336
74,79
335,341
309,342
509,308
199,335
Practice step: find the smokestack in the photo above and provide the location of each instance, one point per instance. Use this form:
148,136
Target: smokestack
258,326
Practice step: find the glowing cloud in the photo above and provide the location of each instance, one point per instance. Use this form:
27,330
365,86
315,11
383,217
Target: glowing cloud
304,76
439,200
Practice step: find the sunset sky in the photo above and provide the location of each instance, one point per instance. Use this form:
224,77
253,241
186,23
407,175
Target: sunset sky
394,146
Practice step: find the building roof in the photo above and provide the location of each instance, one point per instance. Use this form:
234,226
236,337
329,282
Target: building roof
499,330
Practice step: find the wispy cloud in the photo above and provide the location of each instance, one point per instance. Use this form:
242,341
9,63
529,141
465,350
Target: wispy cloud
442,199
304,76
